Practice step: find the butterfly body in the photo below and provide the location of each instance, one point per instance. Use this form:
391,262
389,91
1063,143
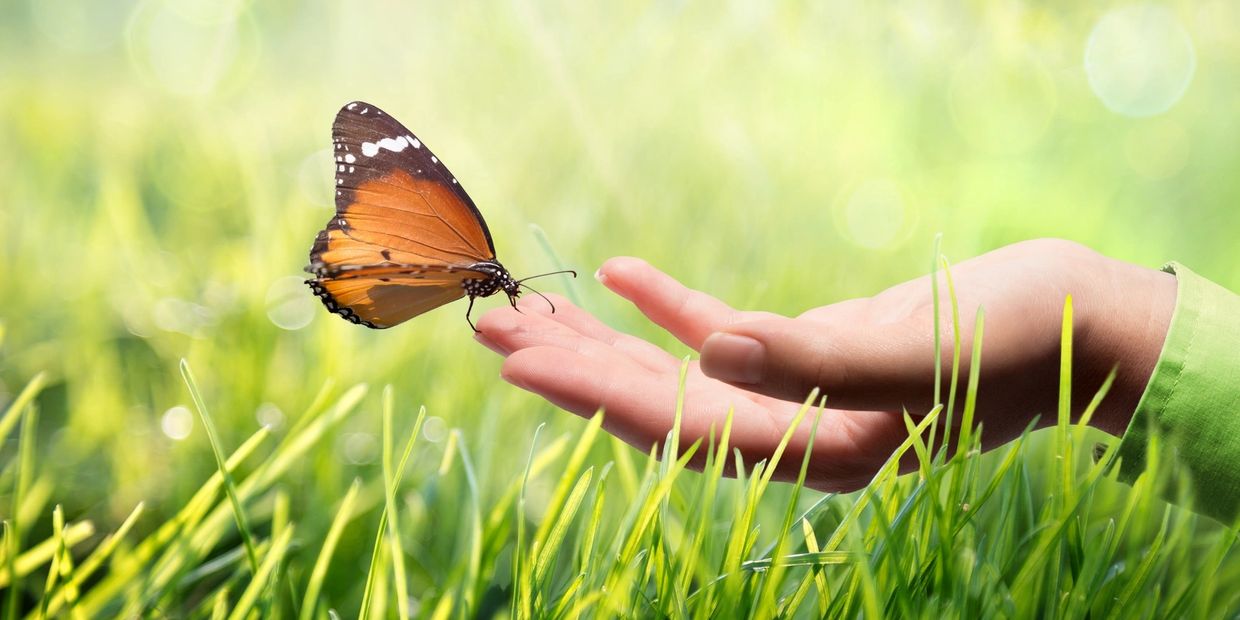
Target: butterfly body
497,279
405,238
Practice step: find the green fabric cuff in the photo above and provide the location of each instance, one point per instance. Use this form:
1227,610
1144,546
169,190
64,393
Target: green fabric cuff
1193,398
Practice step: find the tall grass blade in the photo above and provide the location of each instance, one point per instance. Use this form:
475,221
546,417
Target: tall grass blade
376,563
13,413
21,479
230,487
95,560
315,585
259,582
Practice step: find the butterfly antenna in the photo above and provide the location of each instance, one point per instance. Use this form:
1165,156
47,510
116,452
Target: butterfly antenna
540,294
550,273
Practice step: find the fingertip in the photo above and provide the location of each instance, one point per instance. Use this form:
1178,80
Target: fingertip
501,322
488,343
491,322
616,272
509,373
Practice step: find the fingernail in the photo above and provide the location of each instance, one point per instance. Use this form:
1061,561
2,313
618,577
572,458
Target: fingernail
733,358
600,276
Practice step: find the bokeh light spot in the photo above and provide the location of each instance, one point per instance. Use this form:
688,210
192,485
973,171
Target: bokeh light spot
178,315
316,179
1139,60
434,429
177,422
289,303
270,416
359,448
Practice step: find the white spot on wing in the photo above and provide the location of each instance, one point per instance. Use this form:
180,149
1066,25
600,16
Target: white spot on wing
352,105
396,145
434,160
348,159
414,142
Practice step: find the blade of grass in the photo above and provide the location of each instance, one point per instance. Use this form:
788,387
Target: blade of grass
522,601
397,552
142,557
555,536
45,551
766,598
375,557
343,515
13,413
95,560
1064,420
570,286
970,398
206,522
53,571
25,472
230,487
885,471
261,576
955,376
937,254
468,572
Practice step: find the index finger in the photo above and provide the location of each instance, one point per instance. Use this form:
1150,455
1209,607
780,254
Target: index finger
687,314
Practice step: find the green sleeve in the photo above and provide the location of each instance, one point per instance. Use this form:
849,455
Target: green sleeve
1193,397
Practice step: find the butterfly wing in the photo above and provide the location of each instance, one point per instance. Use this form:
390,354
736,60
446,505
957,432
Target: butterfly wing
380,297
397,206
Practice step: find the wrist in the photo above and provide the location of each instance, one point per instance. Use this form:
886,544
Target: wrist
1125,333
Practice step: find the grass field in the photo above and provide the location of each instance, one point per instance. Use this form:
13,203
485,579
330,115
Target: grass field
167,164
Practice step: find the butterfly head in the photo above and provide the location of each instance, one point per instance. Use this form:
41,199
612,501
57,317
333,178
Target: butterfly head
496,279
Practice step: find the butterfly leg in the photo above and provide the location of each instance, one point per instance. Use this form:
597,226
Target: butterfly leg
467,311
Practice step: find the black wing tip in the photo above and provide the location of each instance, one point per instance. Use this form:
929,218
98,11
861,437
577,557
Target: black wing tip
345,312
360,107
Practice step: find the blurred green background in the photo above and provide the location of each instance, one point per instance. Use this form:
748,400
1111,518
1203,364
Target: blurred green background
166,166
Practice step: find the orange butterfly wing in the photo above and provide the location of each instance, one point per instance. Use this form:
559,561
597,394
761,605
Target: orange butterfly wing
404,233
380,297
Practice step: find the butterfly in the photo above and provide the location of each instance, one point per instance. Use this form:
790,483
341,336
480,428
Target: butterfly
405,238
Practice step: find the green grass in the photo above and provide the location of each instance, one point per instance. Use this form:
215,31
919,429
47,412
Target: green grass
967,535
166,167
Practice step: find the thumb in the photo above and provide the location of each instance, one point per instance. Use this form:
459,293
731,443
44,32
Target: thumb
872,367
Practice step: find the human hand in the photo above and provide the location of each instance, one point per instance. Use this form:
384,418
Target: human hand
873,357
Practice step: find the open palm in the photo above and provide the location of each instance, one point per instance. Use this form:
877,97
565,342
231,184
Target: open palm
874,356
